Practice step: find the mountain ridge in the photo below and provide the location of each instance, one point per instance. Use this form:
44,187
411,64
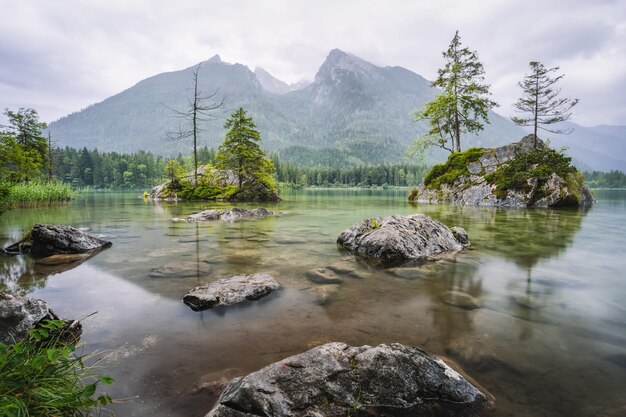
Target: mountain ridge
352,109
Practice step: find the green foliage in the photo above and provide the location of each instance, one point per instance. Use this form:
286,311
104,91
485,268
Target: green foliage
42,376
376,224
173,172
37,193
23,151
463,104
453,168
205,191
612,179
241,152
540,163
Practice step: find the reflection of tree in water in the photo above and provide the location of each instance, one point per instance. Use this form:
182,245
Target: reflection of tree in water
17,275
241,245
524,236
450,321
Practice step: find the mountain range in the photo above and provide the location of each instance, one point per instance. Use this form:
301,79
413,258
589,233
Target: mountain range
353,112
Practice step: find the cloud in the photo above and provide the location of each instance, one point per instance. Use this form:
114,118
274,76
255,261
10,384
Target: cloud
59,57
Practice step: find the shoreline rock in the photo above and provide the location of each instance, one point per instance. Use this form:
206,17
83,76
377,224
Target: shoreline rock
233,290
19,315
395,240
335,379
45,240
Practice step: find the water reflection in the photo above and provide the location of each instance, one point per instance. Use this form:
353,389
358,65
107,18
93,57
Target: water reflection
547,337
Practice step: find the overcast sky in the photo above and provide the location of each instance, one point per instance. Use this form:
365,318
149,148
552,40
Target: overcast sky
61,56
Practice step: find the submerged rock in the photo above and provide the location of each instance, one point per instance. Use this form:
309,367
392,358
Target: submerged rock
460,299
335,379
46,240
19,315
323,276
394,240
231,290
229,215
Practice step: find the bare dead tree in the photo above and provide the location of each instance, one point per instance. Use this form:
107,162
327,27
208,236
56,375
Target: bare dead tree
199,110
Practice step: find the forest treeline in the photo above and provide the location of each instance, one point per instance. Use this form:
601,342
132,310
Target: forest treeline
102,170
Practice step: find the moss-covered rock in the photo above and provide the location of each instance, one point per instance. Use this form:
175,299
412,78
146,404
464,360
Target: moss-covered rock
213,184
515,175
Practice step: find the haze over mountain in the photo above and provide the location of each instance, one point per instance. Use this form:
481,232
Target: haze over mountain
353,112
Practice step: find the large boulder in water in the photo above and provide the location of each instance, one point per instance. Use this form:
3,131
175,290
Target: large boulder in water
521,174
231,290
336,379
45,240
19,315
394,240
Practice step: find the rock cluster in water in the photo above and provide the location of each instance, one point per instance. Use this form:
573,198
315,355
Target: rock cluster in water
394,240
228,215
476,188
231,290
337,380
46,240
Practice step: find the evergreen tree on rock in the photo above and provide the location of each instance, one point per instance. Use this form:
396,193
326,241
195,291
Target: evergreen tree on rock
540,101
463,104
241,152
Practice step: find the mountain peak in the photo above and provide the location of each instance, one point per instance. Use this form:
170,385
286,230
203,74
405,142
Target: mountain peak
338,62
215,59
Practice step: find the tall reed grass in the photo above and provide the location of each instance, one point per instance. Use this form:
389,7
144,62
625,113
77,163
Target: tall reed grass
44,376
39,194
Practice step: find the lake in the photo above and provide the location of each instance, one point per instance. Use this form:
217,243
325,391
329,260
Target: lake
548,340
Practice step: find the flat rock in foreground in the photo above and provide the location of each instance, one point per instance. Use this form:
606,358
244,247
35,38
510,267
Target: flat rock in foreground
46,240
231,290
338,380
394,240
228,215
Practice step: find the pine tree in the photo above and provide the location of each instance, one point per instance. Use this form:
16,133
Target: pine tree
463,104
540,100
241,152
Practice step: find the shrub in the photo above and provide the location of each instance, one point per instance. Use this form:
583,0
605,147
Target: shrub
42,376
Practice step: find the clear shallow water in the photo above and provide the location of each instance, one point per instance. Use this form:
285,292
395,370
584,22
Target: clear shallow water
565,356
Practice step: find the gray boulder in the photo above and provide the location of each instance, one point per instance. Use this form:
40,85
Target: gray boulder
394,240
231,290
229,215
337,380
46,240
19,315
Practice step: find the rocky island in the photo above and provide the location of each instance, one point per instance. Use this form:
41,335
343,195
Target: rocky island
523,174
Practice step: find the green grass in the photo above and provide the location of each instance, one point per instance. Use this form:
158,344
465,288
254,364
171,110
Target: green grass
42,376
39,194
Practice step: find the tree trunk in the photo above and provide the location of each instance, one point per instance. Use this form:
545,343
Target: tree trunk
195,129
536,109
